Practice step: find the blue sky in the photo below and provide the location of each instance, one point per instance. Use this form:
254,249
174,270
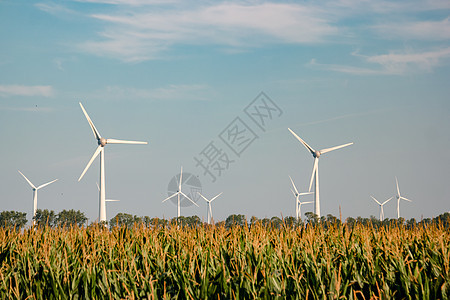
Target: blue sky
178,73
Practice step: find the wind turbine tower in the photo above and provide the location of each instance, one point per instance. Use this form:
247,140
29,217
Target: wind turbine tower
35,189
102,142
315,172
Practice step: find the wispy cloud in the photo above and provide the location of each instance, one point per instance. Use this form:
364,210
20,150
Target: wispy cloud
26,90
394,63
401,63
418,30
55,9
143,34
140,30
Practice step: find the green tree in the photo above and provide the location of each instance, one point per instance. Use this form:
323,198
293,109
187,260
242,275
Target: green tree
235,220
290,221
123,219
253,221
276,222
411,223
70,217
192,221
11,219
45,217
155,222
311,218
265,222
443,220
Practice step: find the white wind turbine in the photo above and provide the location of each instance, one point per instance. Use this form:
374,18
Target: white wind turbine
179,193
399,197
298,204
381,206
208,206
35,189
315,172
101,150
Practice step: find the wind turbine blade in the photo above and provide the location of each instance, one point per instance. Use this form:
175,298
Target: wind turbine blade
401,197
203,197
303,142
98,188
94,130
307,202
306,193
111,200
293,193
181,179
387,201
45,184
396,182
214,198
295,188
188,198
173,195
323,151
316,162
29,182
114,141
375,200
97,151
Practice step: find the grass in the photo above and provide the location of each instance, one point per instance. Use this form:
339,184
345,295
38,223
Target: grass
218,263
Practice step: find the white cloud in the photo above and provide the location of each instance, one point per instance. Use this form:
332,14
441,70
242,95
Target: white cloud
55,9
402,63
143,34
419,30
26,90
395,63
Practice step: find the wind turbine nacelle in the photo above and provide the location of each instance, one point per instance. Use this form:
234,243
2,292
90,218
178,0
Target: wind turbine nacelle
317,153
102,142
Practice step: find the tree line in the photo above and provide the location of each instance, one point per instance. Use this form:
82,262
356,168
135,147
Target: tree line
45,217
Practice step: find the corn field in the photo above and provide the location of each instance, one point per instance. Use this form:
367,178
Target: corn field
212,262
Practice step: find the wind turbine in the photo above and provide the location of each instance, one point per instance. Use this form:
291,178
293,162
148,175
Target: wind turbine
179,193
298,204
381,206
35,189
101,150
208,206
399,197
315,172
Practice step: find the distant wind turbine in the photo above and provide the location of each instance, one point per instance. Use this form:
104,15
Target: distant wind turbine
298,204
179,193
381,206
101,150
315,172
35,189
208,206
399,197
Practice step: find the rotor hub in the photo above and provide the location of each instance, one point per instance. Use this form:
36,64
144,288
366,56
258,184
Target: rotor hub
317,154
102,142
